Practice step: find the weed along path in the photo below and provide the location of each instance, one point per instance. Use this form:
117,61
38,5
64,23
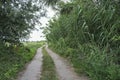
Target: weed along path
33,70
64,70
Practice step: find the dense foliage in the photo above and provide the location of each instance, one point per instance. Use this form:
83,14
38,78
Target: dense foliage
12,61
17,19
87,32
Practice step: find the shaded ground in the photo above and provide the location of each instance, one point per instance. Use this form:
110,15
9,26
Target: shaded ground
33,70
64,70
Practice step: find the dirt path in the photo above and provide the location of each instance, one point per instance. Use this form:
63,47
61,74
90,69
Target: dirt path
64,70
33,70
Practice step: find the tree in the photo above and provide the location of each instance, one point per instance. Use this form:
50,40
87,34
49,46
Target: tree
17,19
50,2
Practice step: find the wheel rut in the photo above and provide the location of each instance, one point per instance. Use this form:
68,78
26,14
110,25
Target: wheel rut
33,69
64,70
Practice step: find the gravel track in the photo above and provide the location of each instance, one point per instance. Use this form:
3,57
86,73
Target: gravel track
33,69
63,68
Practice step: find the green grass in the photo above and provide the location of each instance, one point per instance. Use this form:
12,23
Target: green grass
12,61
48,72
91,61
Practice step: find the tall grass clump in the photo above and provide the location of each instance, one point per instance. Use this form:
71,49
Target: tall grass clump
88,34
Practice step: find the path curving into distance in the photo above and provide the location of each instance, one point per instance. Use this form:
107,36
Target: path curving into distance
64,70
33,70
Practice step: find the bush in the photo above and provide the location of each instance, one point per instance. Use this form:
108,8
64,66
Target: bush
13,59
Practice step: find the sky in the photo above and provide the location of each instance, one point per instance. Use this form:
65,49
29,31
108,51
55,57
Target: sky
37,35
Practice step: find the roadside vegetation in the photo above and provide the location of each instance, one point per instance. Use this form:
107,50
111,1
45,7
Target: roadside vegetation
48,71
14,58
87,33
17,19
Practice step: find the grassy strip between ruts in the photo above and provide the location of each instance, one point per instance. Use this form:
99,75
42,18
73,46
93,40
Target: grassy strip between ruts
12,61
48,71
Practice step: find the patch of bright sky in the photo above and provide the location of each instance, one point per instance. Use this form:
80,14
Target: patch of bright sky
37,35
